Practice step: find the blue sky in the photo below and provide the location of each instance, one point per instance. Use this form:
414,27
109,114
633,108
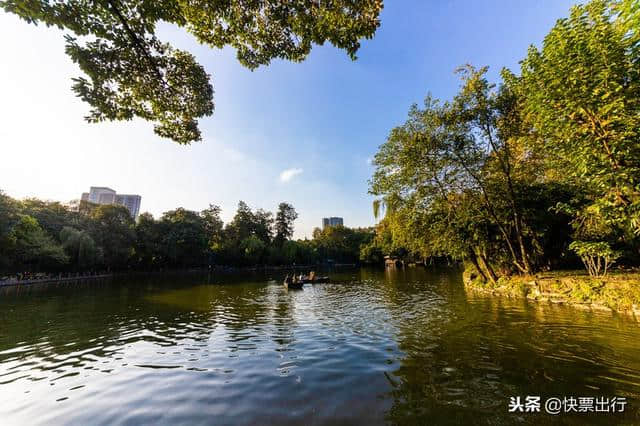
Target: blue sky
296,132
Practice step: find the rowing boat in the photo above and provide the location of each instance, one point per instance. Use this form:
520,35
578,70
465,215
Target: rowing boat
292,285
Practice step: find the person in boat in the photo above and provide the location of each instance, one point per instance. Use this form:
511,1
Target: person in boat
312,276
288,280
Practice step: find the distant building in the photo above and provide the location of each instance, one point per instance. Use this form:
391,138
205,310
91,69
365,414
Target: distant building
104,195
131,202
332,221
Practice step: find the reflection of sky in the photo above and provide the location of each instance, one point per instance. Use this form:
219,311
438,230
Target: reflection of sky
408,345
241,351
325,117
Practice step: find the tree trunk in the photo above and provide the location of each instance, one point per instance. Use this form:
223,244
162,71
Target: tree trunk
484,264
474,260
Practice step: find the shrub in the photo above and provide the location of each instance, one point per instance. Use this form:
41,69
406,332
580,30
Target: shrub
597,256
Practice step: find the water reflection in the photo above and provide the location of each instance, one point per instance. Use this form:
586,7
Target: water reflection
404,346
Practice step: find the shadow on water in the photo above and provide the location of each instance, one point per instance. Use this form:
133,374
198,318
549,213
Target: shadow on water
406,346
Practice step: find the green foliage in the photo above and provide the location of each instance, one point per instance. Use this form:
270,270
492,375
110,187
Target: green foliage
341,244
85,236
51,215
284,222
80,247
112,228
505,176
372,253
32,247
213,225
129,72
253,249
586,291
148,253
597,256
8,219
183,238
581,92
455,182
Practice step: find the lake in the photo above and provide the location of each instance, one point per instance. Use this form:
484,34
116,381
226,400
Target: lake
405,346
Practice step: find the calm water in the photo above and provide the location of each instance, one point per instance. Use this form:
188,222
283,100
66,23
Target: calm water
381,347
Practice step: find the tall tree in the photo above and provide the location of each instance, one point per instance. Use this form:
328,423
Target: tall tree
285,217
263,225
485,123
148,245
242,225
130,73
183,237
8,218
112,228
213,225
581,92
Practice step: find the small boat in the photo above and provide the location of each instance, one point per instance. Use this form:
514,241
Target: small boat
292,285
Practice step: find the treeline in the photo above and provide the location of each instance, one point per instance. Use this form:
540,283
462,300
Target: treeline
38,235
535,172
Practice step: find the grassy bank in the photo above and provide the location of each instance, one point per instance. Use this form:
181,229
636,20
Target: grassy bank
618,291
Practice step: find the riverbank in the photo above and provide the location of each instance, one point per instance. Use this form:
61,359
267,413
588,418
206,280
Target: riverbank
619,291
75,277
53,279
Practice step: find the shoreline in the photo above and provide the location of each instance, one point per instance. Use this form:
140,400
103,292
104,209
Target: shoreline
617,292
13,283
202,270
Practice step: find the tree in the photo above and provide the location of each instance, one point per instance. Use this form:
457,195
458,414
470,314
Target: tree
53,216
8,218
253,249
33,247
130,73
284,222
213,226
581,93
596,256
341,244
112,228
183,237
263,225
242,225
148,244
458,181
80,247
486,123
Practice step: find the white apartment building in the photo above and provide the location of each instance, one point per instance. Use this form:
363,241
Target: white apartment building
104,195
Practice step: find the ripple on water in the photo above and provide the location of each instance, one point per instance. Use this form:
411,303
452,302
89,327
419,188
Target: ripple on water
403,348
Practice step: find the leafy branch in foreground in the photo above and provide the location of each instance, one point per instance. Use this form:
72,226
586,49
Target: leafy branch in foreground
130,73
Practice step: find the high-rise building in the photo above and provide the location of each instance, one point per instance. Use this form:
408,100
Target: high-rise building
131,202
100,195
104,195
332,221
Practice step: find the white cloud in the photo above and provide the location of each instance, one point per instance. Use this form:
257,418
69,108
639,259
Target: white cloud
289,174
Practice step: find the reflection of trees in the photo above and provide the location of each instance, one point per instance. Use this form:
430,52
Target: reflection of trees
69,322
281,316
464,354
460,356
